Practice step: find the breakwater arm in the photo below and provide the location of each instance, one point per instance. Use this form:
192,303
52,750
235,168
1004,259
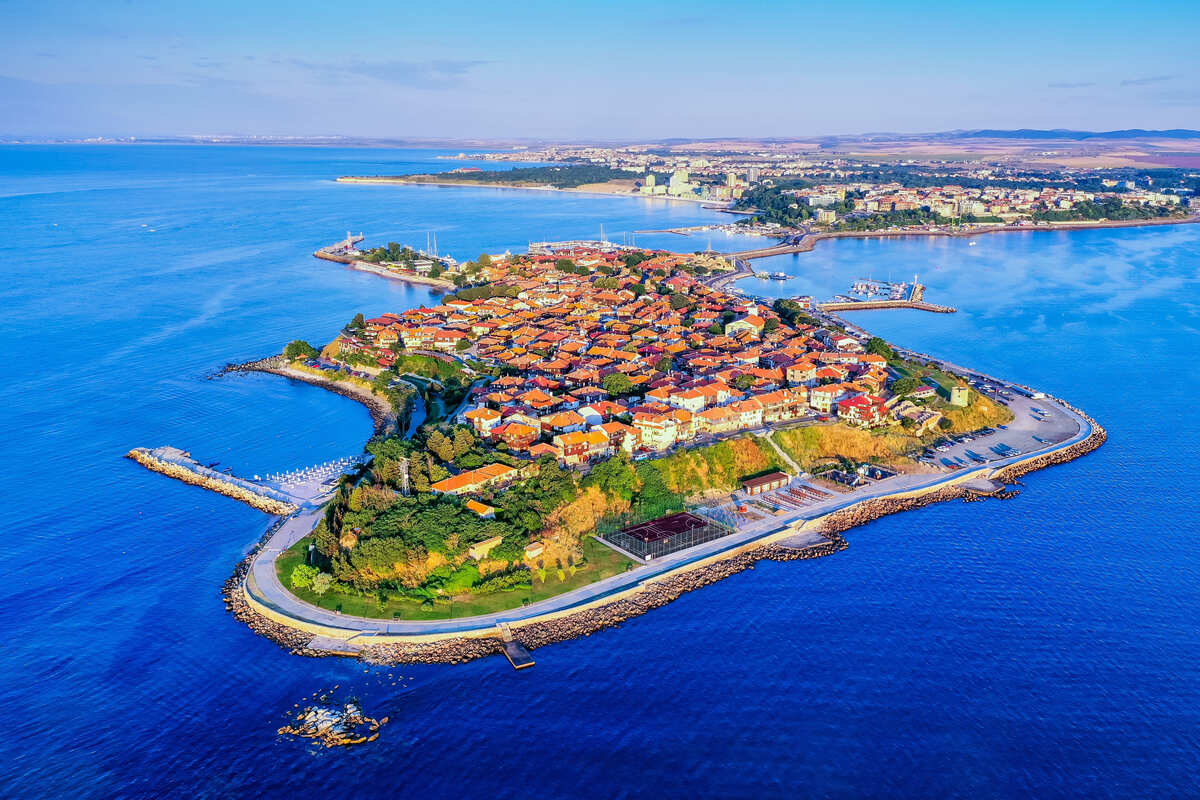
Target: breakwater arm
175,463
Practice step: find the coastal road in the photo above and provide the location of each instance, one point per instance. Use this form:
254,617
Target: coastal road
264,586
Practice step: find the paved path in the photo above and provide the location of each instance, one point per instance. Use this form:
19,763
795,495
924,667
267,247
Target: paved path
786,458
264,584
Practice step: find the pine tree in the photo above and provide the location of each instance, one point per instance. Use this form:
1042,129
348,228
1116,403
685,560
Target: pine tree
464,440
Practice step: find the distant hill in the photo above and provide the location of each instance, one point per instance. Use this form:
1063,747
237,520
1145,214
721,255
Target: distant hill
1060,133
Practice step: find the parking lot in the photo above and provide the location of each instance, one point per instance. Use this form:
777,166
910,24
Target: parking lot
1037,424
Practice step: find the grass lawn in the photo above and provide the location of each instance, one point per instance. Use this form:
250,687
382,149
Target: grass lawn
602,562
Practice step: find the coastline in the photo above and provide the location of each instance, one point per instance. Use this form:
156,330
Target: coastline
424,280
809,241
383,181
375,269
383,416
610,611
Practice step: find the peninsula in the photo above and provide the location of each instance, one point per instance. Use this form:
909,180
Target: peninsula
594,429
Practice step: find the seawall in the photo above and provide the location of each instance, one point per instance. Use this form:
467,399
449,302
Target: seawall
654,593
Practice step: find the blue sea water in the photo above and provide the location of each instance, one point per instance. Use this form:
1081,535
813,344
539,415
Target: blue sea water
1046,646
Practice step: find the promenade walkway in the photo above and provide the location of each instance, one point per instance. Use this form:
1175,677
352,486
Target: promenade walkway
1061,428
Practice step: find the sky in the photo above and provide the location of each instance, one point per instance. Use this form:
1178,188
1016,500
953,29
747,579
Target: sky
592,71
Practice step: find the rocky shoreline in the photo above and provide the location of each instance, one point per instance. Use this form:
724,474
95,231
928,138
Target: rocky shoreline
1097,437
383,416
293,640
653,595
584,623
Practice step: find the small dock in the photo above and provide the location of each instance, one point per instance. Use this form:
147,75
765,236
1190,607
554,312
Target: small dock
979,488
514,651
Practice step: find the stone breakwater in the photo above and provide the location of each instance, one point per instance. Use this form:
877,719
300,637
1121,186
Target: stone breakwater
869,510
383,416
655,593
267,504
1097,437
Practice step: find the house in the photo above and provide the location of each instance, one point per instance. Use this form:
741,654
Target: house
749,413
482,509
563,422
802,372
480,550
750,324
717,420
824,398
924,419
783,404
475,479
516,435
865,410
483,420
620,436
655,431
578,446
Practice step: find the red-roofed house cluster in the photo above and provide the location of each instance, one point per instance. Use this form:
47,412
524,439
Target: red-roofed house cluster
693,362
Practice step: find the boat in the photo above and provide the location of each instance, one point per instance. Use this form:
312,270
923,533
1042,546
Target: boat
970,244
779,276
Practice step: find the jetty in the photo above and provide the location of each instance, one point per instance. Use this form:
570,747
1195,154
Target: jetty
179,464
281,495
876,305
343,252
514,651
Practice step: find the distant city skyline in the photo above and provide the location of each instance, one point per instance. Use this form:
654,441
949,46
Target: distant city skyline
592,71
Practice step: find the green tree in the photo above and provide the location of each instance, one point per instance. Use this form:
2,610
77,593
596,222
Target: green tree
321,583
945,424
484,260
302,576
771,325
299,348
679,301
464,441
743,382
880,347
441,446
665,364
436,270
617,384
564,265
358,323
906,385
615,477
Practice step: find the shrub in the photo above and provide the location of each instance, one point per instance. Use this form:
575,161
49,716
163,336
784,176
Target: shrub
303,575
